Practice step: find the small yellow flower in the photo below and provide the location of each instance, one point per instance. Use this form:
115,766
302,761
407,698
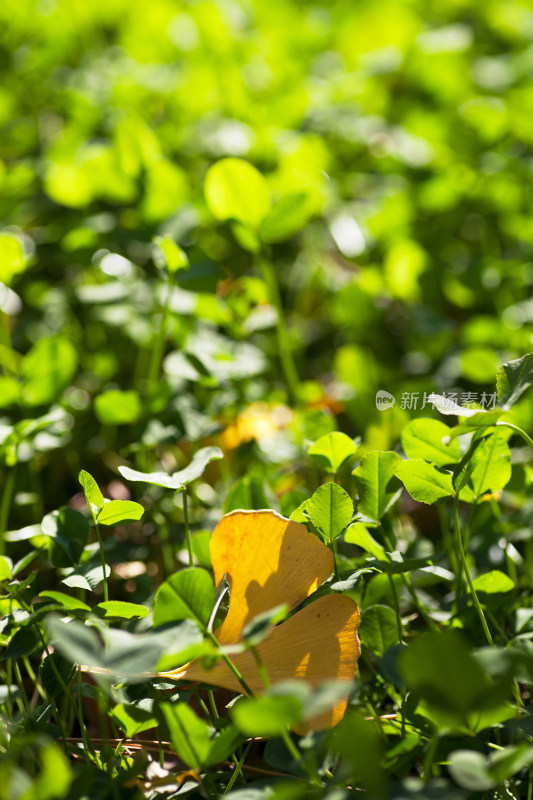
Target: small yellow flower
256,422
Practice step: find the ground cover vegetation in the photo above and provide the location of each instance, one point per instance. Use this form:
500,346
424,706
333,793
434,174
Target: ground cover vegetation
266,491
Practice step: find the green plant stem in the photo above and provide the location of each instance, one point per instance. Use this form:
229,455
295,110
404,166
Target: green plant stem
527,439
214,709
334,548
166,548
406,580
187,529
289,744
238,767
161,753
103,562
33,677
396,601
447,539
202,705
429,758
291,747
159,345
20,684
9,681
261,667
5,505
462,559
284,343
229,663
77,710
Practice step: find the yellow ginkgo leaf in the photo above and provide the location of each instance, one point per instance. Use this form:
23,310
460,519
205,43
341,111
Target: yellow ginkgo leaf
269,561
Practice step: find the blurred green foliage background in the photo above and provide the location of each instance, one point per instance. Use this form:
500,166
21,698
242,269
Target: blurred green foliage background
405,126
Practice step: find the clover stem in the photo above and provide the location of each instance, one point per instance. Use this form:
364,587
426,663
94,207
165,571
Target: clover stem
33,677
527,439
399,626
229,663
291,747
102,561
20,684
430,757
334,549
187,529
157,350
57,673
406,580
238,767
462,558
284,343
202,704
214,709
5,505
261,667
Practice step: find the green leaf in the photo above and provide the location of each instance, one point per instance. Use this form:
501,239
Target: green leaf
360,746
234,189
470,770
267,716
197,467
449,407
119,609
23,642
425,438
512,380
260,626
358,534
287,216
187,643
127,656
86,576
483,419
68,531
330,509
200,548
93,495
116,511
188,594
331,450
179,480
443,671
168,254
12,258
68,602
491,464
503,764
155,478
376,483
132,719
47,369
378,628
115,407
423,481
493,582
76,641
50,681
247,493
192,738
5,568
